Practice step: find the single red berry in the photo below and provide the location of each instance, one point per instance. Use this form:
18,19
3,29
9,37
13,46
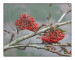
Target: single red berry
69,52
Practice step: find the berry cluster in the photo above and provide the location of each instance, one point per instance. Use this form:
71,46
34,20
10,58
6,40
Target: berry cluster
26,22
52,36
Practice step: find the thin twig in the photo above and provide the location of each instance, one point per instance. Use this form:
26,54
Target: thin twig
64,14
12,37
7,31
63,23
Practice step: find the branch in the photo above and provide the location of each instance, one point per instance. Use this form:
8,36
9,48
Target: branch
64,45
39,47
33,34
63,23
7,31
38,32
64,14
30,44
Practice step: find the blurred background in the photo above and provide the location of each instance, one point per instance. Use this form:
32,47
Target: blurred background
40,12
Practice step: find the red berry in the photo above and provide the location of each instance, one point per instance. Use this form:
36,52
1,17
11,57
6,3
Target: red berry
27,22
53,37
69,52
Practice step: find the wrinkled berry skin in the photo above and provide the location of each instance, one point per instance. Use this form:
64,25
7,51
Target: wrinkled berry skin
52,37
26,22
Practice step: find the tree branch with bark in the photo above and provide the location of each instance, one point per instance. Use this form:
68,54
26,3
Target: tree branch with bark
48,47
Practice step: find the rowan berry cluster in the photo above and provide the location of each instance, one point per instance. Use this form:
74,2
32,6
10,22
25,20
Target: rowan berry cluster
52,36
26,22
